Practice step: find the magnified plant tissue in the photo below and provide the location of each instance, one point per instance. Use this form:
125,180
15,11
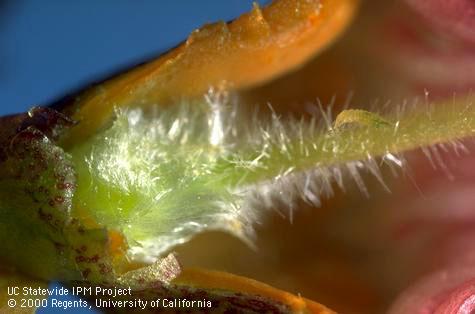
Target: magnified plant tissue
348,180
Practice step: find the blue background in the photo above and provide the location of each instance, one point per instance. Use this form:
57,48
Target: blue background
51,47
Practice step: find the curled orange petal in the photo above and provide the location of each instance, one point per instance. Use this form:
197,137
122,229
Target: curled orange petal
252,49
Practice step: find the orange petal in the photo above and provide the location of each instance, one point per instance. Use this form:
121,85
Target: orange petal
215,280
252,49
